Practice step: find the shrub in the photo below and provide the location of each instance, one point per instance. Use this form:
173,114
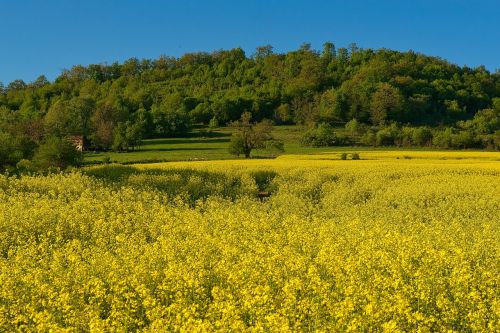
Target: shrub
450,138
343,156
422,136
355,128
491,141
320,136
406,136
25,166
443,138
389,136
343,140
464,139
369,138
355,156
263,180
11,150
384,138
56,153
236,145
275,147
213,124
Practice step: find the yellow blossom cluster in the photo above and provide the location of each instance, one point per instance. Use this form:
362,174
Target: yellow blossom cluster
375,245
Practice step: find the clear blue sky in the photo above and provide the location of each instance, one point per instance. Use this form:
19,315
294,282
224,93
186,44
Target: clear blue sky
44,37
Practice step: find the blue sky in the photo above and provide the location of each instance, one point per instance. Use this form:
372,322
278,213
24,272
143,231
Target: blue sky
44,37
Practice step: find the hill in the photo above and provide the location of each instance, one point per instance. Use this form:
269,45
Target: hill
117,105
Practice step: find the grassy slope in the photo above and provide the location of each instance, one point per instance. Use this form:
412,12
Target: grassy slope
210,147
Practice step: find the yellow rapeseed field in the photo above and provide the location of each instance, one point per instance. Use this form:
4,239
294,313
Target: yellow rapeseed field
394,242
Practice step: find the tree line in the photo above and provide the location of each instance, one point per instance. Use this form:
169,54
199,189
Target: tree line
116,105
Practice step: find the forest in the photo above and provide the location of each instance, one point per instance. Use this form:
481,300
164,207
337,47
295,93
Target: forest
381,97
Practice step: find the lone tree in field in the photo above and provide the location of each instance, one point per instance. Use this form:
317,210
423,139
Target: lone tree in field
249,136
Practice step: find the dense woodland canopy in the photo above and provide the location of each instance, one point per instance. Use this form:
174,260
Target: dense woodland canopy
116,105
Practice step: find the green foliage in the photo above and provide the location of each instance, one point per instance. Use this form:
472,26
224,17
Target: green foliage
264,180
491,141
486,121
386,103
213,124
56,152
388,136
127,136
443,138
170,118
13,149
320,136
354,128
25,166
69,117
250,136
275,147
338,86
236,145
323,135
464,139
283,113
451,138
421,136
369,138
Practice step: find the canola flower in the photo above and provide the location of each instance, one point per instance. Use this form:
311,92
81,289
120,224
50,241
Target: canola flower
379,245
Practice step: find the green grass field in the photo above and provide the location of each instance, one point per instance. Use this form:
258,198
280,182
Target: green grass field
200,145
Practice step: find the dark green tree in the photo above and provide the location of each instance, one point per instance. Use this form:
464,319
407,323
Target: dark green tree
386,103
56,152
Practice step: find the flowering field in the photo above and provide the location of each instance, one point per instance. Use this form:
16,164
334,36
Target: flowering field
402,241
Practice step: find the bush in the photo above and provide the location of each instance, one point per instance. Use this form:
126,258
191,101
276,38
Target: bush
369,138
275,147
406,136
343,156
213,124
25,166
10,150
491,141
170,122
355,156
464,139
320,136
422,136
443,138
355,128
56,153
450,138
384,137
236,145
389,136
344,140
263,180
